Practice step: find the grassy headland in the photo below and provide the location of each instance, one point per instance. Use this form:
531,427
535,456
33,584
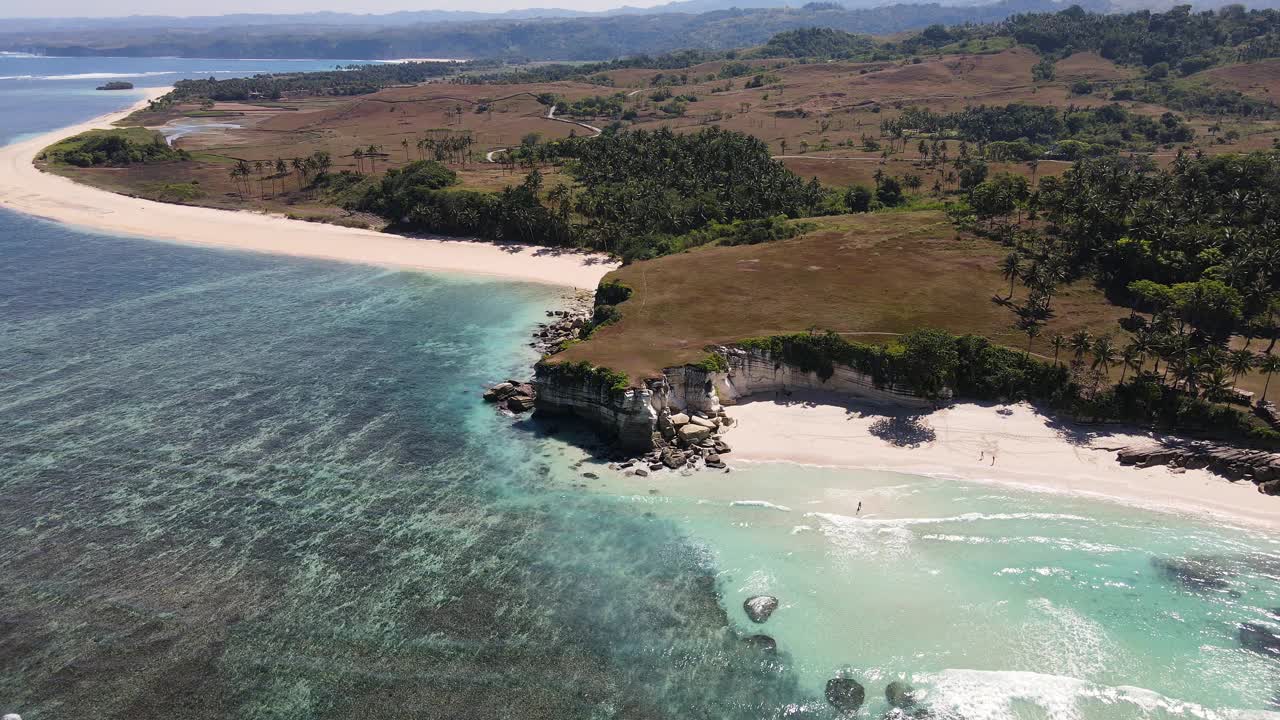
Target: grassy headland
974,179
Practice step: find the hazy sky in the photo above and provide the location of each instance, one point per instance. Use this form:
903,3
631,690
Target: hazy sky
98,8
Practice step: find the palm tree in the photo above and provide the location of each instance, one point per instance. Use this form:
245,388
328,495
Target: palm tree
1130,359
358,155
1268,364
282,169
1104,353
1217,385
404,143
1080,342
240,173
1057,342
1240,362
1011,269
1187,371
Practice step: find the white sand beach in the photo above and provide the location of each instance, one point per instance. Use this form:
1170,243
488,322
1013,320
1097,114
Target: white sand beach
1029,449
25,189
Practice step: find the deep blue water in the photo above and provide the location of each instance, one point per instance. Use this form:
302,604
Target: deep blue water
242,486
38,94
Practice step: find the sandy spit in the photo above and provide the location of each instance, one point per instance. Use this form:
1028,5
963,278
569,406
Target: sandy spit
25,189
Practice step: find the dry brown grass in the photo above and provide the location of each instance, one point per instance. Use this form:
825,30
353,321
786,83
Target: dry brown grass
820,110
859,274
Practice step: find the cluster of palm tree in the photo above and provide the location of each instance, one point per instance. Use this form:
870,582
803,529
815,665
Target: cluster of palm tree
443,145
276,171
1040,268
1202,370
373,153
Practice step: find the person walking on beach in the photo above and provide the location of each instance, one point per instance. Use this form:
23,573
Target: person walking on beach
859,510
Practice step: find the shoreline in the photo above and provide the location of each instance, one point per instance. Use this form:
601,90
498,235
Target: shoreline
26,189
1033,452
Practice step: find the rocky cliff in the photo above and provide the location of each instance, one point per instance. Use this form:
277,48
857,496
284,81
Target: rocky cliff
755,372
629,416
633,416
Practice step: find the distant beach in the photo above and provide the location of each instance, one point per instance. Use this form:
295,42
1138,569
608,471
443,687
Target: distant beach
26,189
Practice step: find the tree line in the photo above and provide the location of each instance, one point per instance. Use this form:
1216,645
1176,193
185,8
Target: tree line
637,194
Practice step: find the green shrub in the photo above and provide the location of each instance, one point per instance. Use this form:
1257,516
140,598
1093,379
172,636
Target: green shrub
713,362
583,371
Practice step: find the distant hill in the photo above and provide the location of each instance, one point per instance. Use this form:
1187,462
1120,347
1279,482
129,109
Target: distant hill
593,37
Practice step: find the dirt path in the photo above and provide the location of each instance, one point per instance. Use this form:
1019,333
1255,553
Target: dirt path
551,115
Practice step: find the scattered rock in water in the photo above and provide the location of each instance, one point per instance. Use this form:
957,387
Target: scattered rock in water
515,396
654,467
641,472
590,476
760,607
721,447
714,461
520,403
498,392
763,643
845,694
1260,639
1200,574
900,694
672,458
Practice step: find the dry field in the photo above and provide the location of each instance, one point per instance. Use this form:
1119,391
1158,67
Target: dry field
814,117
870,276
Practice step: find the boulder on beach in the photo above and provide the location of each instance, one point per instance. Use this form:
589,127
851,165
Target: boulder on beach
694,433
679,419
760,607
845,694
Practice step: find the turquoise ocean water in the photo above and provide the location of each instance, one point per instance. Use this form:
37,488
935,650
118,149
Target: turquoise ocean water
242,486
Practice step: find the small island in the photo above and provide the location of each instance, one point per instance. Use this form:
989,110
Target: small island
116,85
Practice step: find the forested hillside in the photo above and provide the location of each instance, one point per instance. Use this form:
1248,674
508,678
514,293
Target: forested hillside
586,38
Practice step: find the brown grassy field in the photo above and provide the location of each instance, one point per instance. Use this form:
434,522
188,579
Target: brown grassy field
868,275
813,116
1259,79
